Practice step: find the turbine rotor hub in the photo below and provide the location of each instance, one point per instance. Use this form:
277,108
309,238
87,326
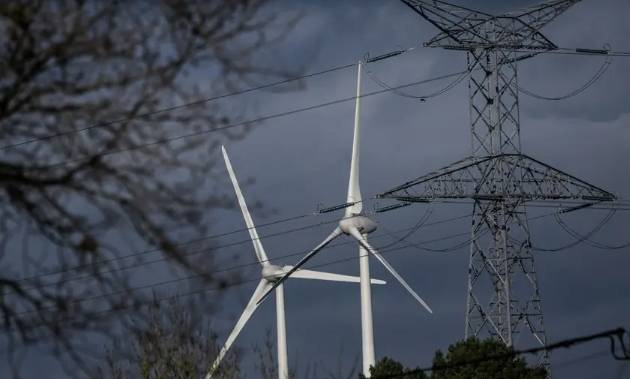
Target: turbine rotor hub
272,273
362,223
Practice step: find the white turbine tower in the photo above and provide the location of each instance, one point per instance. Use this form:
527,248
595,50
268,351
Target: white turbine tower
270,275
356,225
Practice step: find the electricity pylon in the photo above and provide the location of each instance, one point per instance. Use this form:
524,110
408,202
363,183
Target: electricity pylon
503,295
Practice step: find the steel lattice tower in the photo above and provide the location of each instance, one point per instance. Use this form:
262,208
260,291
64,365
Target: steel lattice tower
503,293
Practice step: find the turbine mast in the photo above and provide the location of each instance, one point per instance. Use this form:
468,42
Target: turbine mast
281,331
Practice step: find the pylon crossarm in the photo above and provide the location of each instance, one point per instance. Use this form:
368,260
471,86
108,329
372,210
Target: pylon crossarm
499,33
505,177
458,24
540,15
467,29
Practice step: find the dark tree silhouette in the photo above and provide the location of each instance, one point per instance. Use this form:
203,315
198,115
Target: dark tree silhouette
508,367
172,342
83,155
388,367
468,359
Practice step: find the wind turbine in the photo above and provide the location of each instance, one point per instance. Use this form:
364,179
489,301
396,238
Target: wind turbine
271,274
357,225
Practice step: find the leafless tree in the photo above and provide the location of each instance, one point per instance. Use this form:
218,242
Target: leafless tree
172,342
85,159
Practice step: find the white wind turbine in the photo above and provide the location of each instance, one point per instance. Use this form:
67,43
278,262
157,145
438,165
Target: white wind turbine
271,274
357,225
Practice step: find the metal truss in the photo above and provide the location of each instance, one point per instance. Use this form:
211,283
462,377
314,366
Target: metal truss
499,178
465,29
503,294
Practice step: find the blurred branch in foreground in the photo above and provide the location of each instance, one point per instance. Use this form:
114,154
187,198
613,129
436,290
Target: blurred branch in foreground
67,206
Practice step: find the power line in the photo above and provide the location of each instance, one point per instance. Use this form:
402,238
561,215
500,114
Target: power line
213,249
153,285
448,87
579,238
618,205
570,51
387,247
423,219
218,248
206,100
177,107
243,123
244,241
587,52
154,250
419,246
192,241
577,241
598,74
126,291
618,350
586,238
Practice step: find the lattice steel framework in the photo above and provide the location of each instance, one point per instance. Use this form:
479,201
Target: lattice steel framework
503,294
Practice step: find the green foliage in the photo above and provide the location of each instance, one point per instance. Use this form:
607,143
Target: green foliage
453,364
509,367
387,367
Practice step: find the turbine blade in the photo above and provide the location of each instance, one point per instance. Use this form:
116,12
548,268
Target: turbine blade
336,233
354,190
253,234
253,303
357,235
320,275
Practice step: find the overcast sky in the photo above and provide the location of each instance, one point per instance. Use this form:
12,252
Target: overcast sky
302,160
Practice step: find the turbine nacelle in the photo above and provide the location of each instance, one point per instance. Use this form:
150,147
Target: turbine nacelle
273,273
359,222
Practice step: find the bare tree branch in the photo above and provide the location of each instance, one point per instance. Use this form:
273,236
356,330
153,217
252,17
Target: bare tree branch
70,64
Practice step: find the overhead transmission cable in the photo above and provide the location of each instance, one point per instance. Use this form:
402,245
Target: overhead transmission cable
598,74
202,101
209,249
409,244
583,51
586,238
177,107
580,240
618,205
153,285
421,247
575,51
421,221
461,76
156,250
618,349
242,123
623,206
214,249
204,238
